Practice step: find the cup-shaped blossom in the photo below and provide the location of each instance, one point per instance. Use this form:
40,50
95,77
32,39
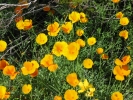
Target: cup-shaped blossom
71,95
47,60
60,48
72,51
74,17
26,88
41,38
116,96
29,67
104,56
115,1
3,64
124,21
27,24
123,34
120,72
125,70
82,15
80,32
99,50
83,18
10,70
126,59
91,41
24,25
18,10
53,29
72,79
57,97
2,92
80,42
67,27
88,63
118,62
20,25
53,67
3,45
119,15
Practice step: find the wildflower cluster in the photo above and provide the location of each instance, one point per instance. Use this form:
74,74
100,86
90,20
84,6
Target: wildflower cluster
74,56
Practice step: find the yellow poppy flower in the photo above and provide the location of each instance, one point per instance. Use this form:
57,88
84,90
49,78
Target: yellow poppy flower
117,96
71,95
91,41
125,70
28,68
80,42
74,17
99,50
2,92
3,45
115,1
27,24
72,51
47,60
80,32
83,18
53,29
67,27
35,64
120,72
57,98
88,63
41,38
126,59
72,79
52,67
124,21
82,15
24,25
20,25
118,62
26,88
124,34
119,15
60,48
104,56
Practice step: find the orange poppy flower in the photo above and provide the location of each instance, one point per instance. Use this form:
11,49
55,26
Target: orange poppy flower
72,79
3,64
